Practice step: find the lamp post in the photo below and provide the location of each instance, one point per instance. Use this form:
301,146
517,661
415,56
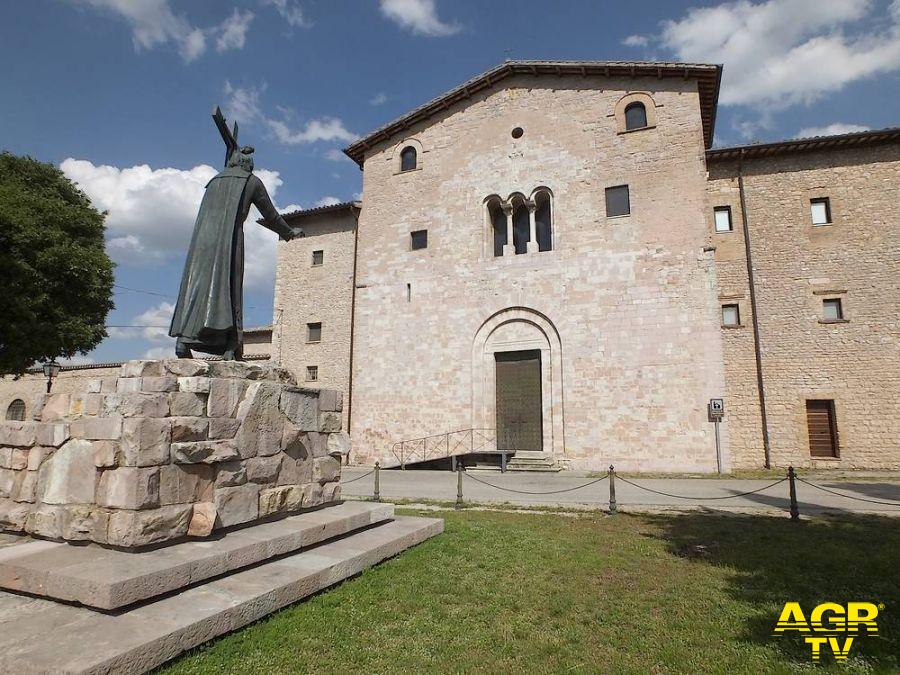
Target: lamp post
51,370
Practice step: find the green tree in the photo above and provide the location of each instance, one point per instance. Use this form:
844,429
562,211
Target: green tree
55,277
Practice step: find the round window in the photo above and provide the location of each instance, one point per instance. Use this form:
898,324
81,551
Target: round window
517,132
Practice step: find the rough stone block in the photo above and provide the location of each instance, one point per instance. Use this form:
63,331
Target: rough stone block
8,483
338,444
142,368
52,433
230,474
187,404
301,444
26,489
205,452
85,405
106,453
37,406
37,455
56,407
129,488
186,367
83,523
126,385
232,369
203,520
312,495
138,404
69,475
326,469
22,434
263,469
261,421
294,471
46,521
301,406
224,396
280,499
236,505
331,400
195,385
12,515
97,428
331,492
93,386
329,422
166,383
185,484
139,528
108,385
145,442
223,427
14,458
189,429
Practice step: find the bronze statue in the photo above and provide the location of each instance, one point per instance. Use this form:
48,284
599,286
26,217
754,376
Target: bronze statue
209,312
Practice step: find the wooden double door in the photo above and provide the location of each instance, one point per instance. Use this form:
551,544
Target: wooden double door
519,407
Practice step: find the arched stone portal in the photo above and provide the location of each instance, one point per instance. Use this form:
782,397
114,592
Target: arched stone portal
525,331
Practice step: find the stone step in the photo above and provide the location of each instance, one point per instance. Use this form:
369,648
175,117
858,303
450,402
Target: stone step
109,578
42,636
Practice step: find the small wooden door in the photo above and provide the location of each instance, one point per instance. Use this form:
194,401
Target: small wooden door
519,410
822,426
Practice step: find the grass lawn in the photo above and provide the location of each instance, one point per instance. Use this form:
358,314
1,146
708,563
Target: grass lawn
525,593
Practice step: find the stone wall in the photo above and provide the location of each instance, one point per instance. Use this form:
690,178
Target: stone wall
624,309
856,362
305,293
165,449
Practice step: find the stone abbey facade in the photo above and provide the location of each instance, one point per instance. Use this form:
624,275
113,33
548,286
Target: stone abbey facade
553,254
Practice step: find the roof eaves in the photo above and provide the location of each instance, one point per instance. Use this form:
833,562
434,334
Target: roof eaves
857,138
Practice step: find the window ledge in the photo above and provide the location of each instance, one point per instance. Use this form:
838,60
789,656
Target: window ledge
624,215
731,231
631,131
400,173
824,459
728,325
313,342
823,224
834,320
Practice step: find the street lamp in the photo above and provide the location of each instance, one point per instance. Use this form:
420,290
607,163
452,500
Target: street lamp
51,370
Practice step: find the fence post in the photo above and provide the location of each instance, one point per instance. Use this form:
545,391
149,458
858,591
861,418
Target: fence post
459,494
377,482
795,510
612,490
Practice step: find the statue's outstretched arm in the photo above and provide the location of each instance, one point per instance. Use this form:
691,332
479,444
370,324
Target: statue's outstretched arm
271,218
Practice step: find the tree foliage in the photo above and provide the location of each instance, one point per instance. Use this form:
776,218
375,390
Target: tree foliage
55,276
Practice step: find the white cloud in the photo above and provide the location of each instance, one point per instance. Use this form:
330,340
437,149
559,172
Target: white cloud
418,16
780,53
233,31
335,155
153,23
243,104
152,213
291,12
160,352
77,360
636,41
378,99
830,130
327,201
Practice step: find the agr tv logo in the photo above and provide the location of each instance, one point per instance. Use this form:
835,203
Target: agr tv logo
830,625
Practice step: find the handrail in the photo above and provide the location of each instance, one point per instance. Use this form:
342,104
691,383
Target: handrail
441,446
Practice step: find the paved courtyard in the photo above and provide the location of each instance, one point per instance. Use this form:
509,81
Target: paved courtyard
478,487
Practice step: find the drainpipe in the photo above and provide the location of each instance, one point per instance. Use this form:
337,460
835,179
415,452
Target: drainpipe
352,328
754,316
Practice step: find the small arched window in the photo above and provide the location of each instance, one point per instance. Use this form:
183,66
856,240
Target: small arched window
635,116
521,225
16,410
408,158
498,226
542,220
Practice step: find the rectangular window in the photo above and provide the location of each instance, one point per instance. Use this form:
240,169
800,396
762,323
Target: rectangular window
731,315
617,201
822,425
418,240
723,218
312,373
820,209
314,332
318,258
832,310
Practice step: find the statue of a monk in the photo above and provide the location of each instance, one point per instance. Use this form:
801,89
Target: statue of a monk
208,315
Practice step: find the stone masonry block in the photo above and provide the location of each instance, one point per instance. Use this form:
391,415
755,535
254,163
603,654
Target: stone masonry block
84,523
26,486
52,433
106,453
142,368
338,444
223,427
166,383
224,396
203,520
230,474
194,385
331,400
56,407
326,470
97,428
263,469
126,385
329,422
138,404
261,421
331,492
22,434
184,484
13,516
85,405
69,475
301,406
312,495
93,386
37,455
14,458
186,367
140,528
236,505
129,488
8,483
282,499
204,452
189,429
145,442
294,472
187,404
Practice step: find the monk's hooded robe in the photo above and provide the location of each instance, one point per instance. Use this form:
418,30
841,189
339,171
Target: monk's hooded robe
209,313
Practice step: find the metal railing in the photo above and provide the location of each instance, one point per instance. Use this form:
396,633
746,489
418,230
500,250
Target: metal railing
444,446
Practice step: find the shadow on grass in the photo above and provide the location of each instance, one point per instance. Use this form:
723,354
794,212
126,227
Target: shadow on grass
774,560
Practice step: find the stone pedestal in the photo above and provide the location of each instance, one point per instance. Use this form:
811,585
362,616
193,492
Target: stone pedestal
170,448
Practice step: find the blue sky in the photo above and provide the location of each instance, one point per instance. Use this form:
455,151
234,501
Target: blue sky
119,93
